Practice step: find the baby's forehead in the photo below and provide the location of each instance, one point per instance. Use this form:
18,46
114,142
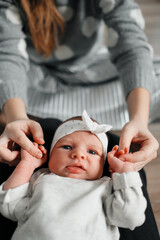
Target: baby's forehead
84,135
79,133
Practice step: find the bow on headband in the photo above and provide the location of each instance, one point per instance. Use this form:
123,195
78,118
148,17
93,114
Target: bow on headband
94,127
86,124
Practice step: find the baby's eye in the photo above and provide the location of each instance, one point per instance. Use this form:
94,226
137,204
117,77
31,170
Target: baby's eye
67,147
92,152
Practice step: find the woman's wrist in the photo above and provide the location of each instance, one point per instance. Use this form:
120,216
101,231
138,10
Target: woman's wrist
14,109
138,105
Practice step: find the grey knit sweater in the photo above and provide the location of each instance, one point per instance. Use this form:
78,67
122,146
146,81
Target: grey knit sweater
78,74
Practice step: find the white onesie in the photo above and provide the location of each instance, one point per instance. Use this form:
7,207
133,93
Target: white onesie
60,208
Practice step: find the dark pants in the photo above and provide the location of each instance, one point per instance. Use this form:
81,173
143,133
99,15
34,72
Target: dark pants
148,231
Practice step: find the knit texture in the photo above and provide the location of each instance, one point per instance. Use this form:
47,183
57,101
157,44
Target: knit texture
83,72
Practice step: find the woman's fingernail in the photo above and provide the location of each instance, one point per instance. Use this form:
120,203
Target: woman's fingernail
41,140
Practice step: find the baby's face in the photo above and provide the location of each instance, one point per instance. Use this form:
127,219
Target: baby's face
78,155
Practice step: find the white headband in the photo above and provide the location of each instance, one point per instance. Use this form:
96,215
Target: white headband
85,125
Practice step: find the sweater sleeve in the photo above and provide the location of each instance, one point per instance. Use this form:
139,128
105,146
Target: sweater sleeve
127,43
125,207
13,54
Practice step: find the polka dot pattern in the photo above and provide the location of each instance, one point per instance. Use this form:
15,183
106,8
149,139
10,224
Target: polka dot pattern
12,15
66,12
136,14
89,26
63,52
107,5
22,48
112,37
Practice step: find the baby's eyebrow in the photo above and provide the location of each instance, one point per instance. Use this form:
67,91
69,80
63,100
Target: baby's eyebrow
95,147
66,139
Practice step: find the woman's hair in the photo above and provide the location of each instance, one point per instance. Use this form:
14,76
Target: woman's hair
45,24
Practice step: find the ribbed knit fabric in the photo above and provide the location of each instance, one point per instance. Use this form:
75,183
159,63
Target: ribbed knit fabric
79,73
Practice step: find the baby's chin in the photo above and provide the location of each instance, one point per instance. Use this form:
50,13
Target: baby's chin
81,176
76,175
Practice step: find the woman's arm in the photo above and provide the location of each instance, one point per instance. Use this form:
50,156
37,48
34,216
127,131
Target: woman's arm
14,65
131,54
138,105
128,45
136,130
14,109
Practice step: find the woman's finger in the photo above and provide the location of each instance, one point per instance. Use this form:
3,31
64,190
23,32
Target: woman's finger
145,154
126,138
7,155
21,139
37,132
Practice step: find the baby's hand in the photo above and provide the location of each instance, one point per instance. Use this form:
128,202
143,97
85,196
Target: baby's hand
33,161
116,164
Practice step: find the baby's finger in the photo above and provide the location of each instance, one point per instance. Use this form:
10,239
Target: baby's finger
42,148
44,158
115,148
126,150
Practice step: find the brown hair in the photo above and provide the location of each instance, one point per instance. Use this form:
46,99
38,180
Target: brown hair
45,24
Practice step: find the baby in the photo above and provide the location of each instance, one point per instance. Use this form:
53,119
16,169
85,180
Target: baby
70,199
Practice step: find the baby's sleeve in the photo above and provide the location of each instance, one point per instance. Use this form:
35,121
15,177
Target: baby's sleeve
125,207
10,199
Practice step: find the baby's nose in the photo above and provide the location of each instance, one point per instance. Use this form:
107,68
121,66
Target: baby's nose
78,155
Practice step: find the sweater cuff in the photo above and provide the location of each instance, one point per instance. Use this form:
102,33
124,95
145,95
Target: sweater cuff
126,180
142,76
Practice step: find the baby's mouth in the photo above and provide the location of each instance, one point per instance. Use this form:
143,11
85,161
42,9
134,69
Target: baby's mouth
75,168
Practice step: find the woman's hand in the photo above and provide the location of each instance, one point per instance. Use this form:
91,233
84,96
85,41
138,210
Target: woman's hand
18,132
134,132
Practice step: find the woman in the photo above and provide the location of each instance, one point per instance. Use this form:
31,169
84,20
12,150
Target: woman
54,63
